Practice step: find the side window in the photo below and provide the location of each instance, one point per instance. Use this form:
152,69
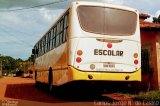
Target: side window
65,35
43,45
39,49
54,37
50,43
36,47
60,38
58,28
49,40
52,32
46,43
61,32
58,35
65,28
57,40
66,21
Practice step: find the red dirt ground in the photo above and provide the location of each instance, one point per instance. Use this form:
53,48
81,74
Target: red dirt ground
23,91
22,88
19,91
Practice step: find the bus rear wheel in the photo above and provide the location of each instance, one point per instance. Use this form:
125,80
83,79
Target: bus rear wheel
50,80
36,82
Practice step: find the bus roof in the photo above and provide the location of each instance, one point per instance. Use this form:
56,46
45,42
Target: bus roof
103,4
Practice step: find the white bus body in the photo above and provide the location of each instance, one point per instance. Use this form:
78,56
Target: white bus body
102,44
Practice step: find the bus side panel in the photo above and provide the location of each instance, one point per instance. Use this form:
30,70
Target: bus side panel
62,76
60,66
57,59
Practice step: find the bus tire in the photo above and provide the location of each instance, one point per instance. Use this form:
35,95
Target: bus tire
36,82
50,80
35,75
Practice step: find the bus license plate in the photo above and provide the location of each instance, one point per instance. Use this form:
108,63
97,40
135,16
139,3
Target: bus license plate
106,65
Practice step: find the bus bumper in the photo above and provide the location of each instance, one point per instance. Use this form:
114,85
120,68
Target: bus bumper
75,75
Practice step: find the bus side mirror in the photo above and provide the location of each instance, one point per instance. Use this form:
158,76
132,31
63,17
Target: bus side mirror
34,51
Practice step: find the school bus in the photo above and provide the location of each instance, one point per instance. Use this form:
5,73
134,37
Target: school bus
90,41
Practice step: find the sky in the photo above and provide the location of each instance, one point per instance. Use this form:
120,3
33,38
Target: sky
23,22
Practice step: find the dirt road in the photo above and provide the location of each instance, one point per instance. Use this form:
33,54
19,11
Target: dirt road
16,91
7,84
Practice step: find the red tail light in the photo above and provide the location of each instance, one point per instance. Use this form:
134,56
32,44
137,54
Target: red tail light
135,62
109,45
78,59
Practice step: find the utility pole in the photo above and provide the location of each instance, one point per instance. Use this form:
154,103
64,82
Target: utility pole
1,66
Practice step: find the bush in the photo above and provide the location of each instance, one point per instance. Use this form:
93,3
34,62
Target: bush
150,96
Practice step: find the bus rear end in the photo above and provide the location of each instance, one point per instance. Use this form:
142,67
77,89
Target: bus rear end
104,43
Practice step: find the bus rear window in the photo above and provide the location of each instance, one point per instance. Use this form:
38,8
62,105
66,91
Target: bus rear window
107,21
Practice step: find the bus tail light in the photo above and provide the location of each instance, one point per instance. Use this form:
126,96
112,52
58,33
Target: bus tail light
135,62
109,45
78,59
79,52
135,55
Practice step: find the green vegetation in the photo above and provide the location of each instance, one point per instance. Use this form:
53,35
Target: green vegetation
150,96
156,20
9,65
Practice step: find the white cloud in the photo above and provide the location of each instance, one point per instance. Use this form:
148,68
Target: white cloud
157,13
50,15
21,30
46,14
150,19
5,39
11,18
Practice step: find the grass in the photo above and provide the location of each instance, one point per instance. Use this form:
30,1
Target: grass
149,96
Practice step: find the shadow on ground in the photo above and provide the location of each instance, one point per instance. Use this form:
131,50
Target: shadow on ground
28,92
31,93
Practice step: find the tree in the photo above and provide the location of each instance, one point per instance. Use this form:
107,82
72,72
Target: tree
10,65
156,20
31,58
18,61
